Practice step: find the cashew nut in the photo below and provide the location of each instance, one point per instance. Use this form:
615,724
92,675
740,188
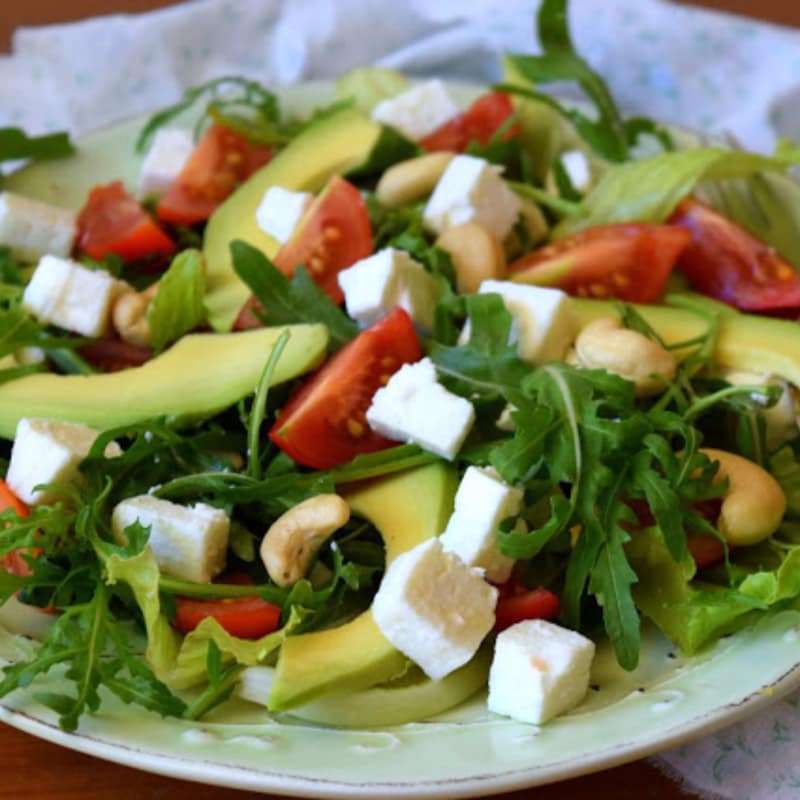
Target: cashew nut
292,540
605,344
129,315
411,180
477,255
754,504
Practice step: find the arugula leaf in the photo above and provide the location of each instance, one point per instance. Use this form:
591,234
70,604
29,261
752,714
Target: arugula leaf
649,190
258,410
241,104
609,135
178,306
487,365
15,143
19,329
286,301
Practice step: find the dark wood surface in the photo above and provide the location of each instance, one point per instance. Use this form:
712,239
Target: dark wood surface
35,768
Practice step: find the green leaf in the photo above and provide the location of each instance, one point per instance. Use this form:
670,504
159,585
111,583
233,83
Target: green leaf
284,301
178,306
236,102
487,365
15,143
367,86
649,190
607,133
259,407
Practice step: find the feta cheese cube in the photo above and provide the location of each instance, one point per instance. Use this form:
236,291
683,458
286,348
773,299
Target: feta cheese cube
375,285
280,210
188,542
539,670
471,190
413,407
483,501
67,294
46,451
434,608
576,165
544,320
32,229
164,161
417,111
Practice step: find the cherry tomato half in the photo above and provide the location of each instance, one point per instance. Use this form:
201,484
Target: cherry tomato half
517,603
14,561
628,261
324,422
333,234
725,261
244,617
221,160
478,123
112,221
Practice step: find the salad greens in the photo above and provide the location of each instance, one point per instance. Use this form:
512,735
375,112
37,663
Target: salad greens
615,485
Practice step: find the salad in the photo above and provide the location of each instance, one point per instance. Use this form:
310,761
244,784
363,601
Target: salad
368,409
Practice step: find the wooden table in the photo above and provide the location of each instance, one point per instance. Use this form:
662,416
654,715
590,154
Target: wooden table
34,768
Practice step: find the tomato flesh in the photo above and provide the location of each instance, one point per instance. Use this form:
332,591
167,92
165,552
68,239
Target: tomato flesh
112,221
333,234
516,603
324,422
478,123
244,617
725,261
628,261
112,355
15,561
220,161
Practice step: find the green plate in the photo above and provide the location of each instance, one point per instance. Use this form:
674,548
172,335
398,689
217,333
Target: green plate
465,752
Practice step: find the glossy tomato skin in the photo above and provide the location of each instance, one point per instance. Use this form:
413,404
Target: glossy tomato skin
333,234
244,617
324,422
516,603
627,261
14,561
112,221
725,261
478,124
221,160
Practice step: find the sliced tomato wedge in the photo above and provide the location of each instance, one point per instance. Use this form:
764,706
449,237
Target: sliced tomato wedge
516,603
725,261
478,123
112,221
221,160
15,561
333,234
324,422
112,355
705,550
628,261
244,617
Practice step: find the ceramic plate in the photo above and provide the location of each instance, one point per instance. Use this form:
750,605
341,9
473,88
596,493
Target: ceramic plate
465,752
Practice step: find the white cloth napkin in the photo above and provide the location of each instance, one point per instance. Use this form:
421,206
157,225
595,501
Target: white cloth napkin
700,69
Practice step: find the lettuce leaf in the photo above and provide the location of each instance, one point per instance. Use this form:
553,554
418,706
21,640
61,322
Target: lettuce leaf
181,663
694,614
649,190
178,306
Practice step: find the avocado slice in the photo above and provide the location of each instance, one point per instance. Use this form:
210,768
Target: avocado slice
407,508
200,375
332,145
747,342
